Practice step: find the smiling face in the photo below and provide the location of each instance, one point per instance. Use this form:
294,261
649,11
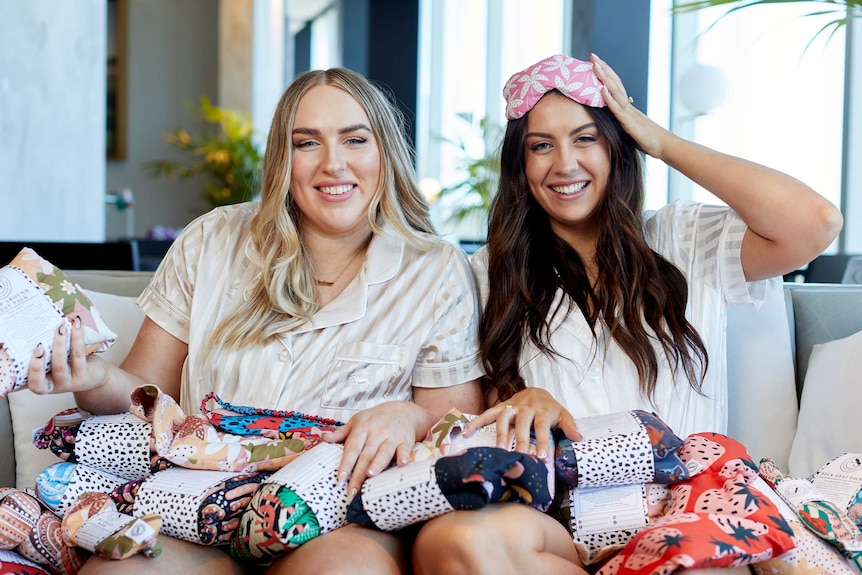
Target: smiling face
567,166
336,163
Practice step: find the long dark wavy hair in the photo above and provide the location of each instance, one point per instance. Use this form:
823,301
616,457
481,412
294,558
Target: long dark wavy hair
638,295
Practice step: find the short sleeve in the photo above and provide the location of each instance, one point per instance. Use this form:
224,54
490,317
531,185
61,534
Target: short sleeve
705,243
450,354
168,298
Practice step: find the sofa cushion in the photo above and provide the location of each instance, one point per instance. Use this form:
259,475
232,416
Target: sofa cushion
31,411
822,314
762,402
829,422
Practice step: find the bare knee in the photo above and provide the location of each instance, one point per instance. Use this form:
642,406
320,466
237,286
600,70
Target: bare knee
458,542
499,539
350,550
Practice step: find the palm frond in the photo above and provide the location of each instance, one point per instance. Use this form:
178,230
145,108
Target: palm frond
850,8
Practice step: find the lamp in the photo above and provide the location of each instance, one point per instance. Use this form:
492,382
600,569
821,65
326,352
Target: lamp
702,88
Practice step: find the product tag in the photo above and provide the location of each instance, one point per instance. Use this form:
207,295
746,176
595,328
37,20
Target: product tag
311,467
27,318
102,525
600,509
840,479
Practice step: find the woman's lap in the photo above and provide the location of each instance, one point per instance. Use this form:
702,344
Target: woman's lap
179,557
350,549
499,538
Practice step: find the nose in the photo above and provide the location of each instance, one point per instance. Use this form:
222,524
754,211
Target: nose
566,161
334,162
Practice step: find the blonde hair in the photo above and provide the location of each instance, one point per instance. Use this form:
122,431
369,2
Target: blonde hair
283,296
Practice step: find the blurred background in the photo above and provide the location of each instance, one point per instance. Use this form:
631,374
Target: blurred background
124,119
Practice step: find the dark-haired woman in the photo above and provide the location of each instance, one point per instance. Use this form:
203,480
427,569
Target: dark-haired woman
593,306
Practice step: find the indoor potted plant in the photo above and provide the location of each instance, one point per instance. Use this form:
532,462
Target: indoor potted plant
224,151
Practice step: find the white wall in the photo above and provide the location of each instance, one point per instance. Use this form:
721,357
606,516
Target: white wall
172,54
52,119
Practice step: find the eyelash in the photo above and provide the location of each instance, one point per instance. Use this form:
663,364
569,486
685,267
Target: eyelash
583,139
354,141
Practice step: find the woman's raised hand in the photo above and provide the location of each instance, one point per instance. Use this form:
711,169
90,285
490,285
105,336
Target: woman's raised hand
75,372
374,436
531,408
649,136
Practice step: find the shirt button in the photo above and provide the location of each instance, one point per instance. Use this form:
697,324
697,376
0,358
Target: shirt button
283,355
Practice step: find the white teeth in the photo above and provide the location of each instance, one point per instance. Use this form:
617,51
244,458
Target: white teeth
335,190
570,189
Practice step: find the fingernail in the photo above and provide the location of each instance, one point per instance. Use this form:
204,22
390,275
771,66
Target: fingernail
351,494
372,472
342,478
62,329
40,351
77,322
543,455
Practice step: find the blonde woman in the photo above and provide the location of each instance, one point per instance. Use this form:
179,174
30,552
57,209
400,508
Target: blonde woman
330,296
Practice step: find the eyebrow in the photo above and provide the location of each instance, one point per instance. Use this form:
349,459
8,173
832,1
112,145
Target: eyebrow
572,133
342,131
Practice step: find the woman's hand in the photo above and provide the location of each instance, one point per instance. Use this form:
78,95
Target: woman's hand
530,408
374,436
77,372
651,138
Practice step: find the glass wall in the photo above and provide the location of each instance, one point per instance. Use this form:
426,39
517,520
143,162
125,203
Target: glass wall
760,83
468,50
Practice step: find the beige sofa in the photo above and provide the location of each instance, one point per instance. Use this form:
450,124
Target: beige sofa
769,361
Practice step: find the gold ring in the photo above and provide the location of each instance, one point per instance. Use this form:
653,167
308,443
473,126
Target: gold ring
629,102
510,407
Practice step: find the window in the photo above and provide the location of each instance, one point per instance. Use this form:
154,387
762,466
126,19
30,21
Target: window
467,51
784,98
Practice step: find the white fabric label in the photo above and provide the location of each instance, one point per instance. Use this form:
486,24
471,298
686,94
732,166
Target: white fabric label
609,424
101,526
797,491
840,479
185,481
27,317
309,468
600,509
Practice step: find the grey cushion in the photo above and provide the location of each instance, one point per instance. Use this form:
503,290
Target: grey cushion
820,319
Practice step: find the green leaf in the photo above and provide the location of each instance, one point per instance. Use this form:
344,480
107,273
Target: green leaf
224,151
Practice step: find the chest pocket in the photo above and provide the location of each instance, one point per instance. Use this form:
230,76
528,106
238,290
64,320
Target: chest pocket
364,374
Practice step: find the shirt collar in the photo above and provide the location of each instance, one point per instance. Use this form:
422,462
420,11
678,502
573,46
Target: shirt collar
382,262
